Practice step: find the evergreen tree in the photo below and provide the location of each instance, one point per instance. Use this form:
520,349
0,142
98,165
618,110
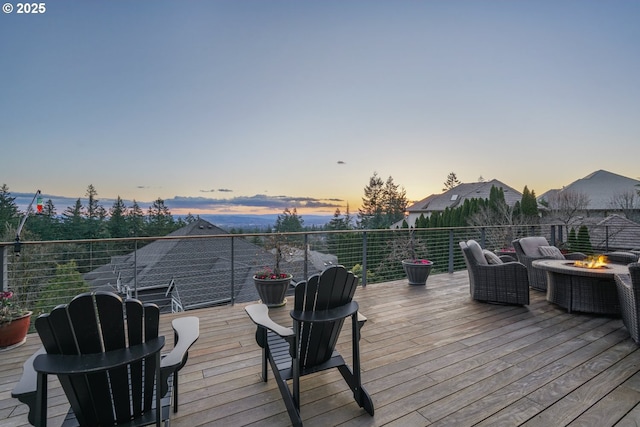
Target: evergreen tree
583,240
73,221
528,204
47,224
337,222
572,240
9,214
451,182
117,223
94,214
289,222
371,213
159,219
395,202
135,220
383,204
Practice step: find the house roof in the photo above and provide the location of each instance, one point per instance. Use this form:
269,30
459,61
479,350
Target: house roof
457,195
600,186
199,269
614,232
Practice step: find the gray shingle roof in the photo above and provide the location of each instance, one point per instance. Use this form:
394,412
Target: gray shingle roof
199,268
457,195
600,186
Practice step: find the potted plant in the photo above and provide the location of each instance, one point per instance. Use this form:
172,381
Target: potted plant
14,321
416,269
272,284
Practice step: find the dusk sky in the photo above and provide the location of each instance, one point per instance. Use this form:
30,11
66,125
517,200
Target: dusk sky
239,106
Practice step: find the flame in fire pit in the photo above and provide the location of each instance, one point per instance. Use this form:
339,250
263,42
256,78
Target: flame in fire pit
593,261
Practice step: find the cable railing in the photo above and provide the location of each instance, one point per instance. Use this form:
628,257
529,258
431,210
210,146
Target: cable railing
180,273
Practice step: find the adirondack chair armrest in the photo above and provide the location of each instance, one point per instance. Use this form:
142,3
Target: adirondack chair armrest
330,315
65,364
25,390
186,332
361,318
259,314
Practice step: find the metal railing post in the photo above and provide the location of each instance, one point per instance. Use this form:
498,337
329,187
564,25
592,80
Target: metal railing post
4,268
606,237
135,268
364,258
483,237
233,271
306,256
450,269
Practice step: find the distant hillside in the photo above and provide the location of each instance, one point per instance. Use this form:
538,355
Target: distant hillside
261,222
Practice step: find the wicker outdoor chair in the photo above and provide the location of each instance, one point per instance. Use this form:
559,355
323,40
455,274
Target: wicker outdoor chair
528,250
629,295
502,282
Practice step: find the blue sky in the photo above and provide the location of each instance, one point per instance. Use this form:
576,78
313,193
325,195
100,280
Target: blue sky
227,106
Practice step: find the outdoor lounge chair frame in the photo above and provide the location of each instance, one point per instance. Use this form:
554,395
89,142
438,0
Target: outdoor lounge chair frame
106,354
321,305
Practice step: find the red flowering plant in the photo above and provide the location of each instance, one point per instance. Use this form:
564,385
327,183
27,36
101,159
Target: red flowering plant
412,250
9,310
267,273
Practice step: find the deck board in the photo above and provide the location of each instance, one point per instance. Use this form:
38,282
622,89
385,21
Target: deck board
431,356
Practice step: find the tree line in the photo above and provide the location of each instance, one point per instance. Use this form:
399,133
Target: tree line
89,220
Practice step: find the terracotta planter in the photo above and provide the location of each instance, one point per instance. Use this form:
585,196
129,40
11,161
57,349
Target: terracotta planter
272,291
417,273
14,333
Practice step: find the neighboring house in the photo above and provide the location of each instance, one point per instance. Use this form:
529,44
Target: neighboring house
456,197
184,274
613,233
605,191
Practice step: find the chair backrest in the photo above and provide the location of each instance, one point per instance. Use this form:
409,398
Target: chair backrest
94,323
332,288
473,253
529,246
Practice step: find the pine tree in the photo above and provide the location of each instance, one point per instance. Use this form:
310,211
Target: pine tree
8,209
289,222
73,221
118,219
451,182
94,214
528,204
159,219
383,204
371,212
135,220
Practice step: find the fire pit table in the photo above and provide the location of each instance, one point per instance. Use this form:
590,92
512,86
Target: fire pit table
590,290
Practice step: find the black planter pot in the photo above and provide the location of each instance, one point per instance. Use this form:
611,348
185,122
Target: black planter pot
272,291
417,273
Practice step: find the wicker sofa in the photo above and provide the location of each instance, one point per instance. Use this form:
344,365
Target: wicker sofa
528,250
629,294
499,282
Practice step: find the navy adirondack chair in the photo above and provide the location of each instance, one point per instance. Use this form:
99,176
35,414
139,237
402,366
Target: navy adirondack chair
322,303
105,352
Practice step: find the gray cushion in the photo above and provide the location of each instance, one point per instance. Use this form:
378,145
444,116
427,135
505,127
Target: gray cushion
491,257
550,251
476,251
530,245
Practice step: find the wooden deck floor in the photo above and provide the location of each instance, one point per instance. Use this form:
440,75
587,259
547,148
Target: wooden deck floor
430,356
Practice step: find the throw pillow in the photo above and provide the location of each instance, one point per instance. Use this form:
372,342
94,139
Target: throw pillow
550,251
491,257
476,251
